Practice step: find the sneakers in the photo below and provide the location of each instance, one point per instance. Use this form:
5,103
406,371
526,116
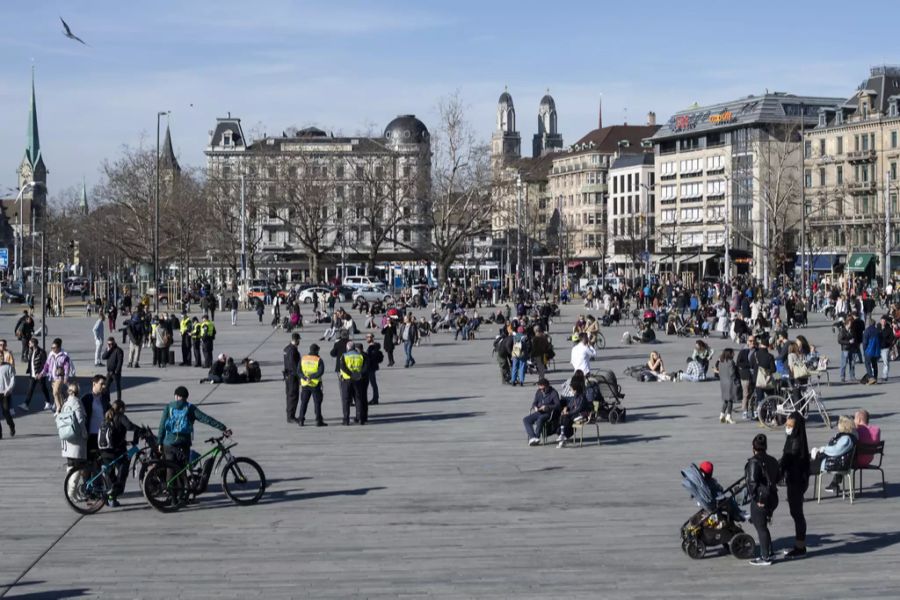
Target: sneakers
721,417
745,415
112,502
728,419
795,553
562,442
534,442
833,487
48,406
761,562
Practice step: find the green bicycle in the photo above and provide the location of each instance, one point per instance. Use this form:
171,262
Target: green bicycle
169,486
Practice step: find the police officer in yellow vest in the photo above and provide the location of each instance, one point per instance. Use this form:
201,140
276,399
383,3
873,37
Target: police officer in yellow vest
311,370
195,340
185,327
353,381
207,335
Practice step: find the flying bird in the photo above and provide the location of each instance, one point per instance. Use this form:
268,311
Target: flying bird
68,33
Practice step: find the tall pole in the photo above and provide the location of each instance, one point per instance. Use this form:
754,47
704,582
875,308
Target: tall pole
802,201
518,230
887,228
243,240
727,273
156,222
43,296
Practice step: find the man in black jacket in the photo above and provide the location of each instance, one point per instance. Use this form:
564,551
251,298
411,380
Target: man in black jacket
292,377
504,344
747,376
762,359
546,401
95,405
115,358
340,346
848,354
886,335
761,473
24,330
857,328
374,356
36,358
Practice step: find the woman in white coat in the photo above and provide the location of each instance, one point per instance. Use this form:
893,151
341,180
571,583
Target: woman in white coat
722,325
75,450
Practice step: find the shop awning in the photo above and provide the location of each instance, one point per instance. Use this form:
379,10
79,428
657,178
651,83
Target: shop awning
860,261
823,262
574,264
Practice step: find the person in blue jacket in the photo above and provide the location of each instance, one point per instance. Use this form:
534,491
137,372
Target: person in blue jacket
176,427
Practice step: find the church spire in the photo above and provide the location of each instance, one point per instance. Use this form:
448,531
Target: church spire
167,158
84,200
33,147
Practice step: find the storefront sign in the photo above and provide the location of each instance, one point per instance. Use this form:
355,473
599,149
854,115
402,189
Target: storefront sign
722,118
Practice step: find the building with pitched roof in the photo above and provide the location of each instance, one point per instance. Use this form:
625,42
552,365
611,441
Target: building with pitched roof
732,166
851,180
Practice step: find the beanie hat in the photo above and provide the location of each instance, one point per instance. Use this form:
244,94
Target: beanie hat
182,392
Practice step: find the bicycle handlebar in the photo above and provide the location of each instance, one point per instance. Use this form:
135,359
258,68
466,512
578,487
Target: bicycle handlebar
215,440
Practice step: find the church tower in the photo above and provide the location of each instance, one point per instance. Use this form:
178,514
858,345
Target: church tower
33,168
506,144
547,139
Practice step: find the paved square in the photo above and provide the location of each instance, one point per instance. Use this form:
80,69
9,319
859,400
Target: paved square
439,496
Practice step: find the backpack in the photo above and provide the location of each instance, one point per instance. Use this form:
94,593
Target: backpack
179,423
105,437
379,357
517,349
67,427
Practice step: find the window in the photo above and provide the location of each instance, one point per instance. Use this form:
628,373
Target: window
856,143
339,192
821,176
691,214
808,178
615,189
668,215
893,171
807,149
358,193
273,212
227,139
865,142
840,144
872,140
715,213
667,239
714,163
893,139
226,172
822,120
406,172
691,166
339,172
715,238
360,172
822,147
892,108
667,192
271,172
715,188
667,168
691,239
324,213
840,175
406,233
691,190
271,192
292,172
379,172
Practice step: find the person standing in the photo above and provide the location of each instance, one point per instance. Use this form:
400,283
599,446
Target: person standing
390,339
729,384
352,371
58,368
520,351
848,351
36,359
541,350
292,377
871,343
207,335
196,328
886,335
161,339
234,310
6,356
582,353
747,377
260,310
7,383
184,326
374,357
213,305
95,405
312,367
112,314
794,468
761,474
97,330
24,330
134,327
115,358
409,335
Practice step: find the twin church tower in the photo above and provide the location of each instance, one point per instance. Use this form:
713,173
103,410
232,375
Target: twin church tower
506,143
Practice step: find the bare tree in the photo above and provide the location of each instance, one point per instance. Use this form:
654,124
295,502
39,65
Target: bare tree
461,199
313,205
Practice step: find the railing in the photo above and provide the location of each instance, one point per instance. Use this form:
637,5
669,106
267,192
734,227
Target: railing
861,155
859,187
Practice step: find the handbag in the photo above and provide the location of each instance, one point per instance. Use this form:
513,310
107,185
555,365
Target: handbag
763,378
799,371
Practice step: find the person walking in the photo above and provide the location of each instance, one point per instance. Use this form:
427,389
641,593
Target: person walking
312,367
541,350
185,326
112,314
5,355
24,330
871,344
292,377
729,384
36,359
409,335
97,330
352,371
794,469
115,358
58,368
7,383
260,310
761,474
134,328
886,335
233,306
374,357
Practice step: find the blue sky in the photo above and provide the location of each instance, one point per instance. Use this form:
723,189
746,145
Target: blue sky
351,66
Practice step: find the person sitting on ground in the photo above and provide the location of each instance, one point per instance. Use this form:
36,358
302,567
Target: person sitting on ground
217,370
230,372
837,454
574,410
252,373
648,336
654,370
865,434
579,327
546,401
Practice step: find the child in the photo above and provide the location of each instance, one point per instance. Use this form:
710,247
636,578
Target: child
113,444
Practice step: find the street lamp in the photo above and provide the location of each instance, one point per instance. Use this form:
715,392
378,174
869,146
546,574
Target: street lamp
645,205
727,233
18,265
518,231
156,223
43,290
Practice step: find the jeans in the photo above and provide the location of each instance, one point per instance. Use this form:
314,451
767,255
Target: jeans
5,400
407,349
534,424
373,383
760,518
795,503
518,370
234,314
134,354
872,367
848,363
885,363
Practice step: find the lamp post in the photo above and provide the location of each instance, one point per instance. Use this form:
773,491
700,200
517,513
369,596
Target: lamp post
727,257
645,220
887,228
518,231
43,290
803,158
18,265
156,222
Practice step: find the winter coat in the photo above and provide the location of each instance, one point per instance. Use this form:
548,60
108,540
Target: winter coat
729,382
77,448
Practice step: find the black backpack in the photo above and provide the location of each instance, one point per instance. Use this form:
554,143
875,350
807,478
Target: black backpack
106,436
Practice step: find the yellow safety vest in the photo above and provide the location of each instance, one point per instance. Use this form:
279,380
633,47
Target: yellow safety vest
354,363
309,366
210,328
196,332
185,325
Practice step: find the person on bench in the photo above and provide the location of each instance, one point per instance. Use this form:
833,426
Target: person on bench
546,402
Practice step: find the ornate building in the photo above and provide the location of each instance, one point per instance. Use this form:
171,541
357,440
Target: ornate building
547,138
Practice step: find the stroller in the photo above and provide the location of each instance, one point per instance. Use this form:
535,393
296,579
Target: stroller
604,391
718,520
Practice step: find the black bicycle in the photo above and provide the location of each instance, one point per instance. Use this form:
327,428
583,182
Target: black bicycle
169,486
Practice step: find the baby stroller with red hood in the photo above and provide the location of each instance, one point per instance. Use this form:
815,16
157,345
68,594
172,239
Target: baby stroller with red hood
718,520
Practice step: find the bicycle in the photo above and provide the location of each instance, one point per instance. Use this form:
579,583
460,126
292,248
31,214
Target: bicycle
169,486
87,488
774,409
599,341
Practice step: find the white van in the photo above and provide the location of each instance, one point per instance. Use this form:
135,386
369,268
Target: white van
361,281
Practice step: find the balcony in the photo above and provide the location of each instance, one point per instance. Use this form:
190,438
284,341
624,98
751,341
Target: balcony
861,187
861,156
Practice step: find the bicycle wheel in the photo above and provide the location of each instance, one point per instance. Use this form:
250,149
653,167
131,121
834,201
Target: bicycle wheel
823,412
768,412
600,342
84,495
244,481
637,322
163,496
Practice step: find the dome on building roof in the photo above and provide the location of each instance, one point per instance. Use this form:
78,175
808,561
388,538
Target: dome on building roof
311,132
505,98
406,129
547,101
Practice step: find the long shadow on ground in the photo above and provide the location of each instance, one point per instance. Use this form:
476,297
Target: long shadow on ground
414,417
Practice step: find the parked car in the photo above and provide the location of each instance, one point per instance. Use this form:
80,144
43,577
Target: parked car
306,296
371,294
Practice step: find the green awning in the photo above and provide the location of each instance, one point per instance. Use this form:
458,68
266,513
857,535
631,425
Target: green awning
860,261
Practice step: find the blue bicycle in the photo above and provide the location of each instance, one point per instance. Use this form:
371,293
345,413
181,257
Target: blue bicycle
88,487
